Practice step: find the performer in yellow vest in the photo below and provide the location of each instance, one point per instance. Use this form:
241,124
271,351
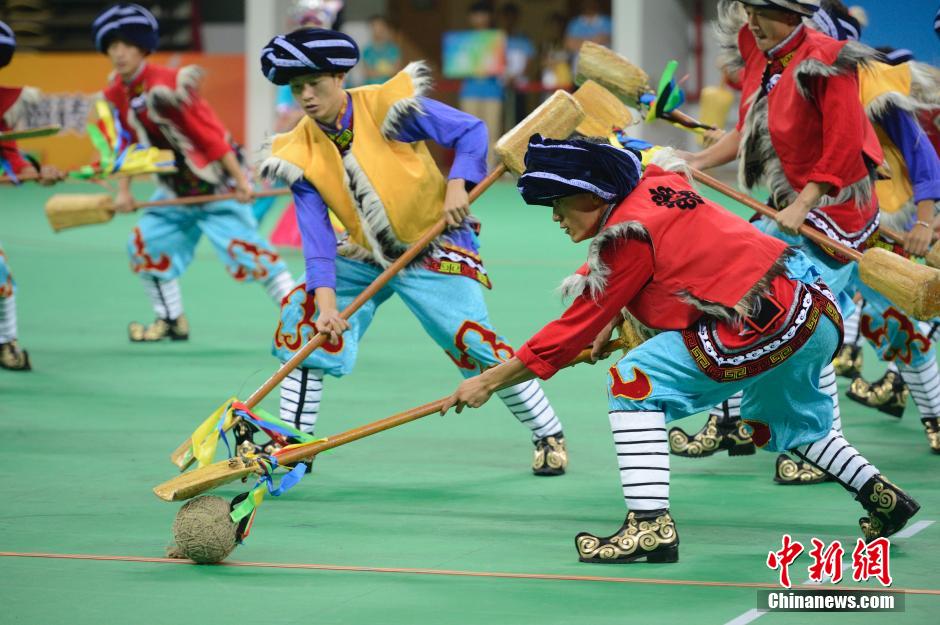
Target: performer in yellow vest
361,155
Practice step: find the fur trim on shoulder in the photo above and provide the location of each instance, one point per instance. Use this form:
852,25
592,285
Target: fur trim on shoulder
668,159
187,82
849,58
276,169
730,21
571,287
925,83
881,104
596,279
29,98
422,83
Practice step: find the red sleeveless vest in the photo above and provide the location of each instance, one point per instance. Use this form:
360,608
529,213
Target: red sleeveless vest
699,249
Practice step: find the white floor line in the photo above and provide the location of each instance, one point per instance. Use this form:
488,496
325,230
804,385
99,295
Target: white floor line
914,528
748,617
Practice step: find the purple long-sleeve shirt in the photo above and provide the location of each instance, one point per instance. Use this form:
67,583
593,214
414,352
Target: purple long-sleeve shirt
438,122
923,164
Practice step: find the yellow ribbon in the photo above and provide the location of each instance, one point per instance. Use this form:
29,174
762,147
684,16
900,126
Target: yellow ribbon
206,437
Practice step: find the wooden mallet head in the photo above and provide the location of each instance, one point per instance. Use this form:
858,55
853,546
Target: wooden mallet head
70,210
602,110
556,118
913,287
613,72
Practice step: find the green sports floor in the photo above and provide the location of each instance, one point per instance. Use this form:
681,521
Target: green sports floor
439,521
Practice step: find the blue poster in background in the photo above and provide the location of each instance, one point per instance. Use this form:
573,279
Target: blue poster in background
903,24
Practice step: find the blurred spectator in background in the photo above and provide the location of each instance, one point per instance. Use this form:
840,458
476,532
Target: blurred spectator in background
483,97
304,14
590,25
519,54
555,60
381,58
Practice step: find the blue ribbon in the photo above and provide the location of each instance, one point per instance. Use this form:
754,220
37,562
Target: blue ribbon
8,168
290,480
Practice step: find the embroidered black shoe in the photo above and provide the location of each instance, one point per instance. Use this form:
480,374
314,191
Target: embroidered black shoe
161,329
888,395
790,472
848,362
551,455
651,535
932,430
733,437
889,508
14,358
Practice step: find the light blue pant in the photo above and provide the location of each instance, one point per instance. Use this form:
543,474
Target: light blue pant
164,241
450,308
785,401
894,335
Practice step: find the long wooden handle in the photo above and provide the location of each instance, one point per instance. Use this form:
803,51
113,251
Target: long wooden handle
188,485
202,199
306,452
813,235
686,121
377,285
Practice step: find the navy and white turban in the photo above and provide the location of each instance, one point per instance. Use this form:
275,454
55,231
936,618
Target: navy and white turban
129,22
800,7
308,51
895,56
7,44
556,169
842,27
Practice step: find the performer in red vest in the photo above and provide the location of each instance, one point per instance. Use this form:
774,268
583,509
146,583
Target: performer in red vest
802,134
161,106
736,311
14,102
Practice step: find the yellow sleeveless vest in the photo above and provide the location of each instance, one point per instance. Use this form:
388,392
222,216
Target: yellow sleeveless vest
386,193
881,81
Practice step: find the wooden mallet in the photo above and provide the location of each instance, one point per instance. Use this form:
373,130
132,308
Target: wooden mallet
71,210
555,118
913,287
198,481
626,81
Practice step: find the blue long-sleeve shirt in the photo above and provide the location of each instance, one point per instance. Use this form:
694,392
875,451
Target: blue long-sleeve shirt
923,164
438,122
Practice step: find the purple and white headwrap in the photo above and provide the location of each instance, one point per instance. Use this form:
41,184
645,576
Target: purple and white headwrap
308,51
129,22
7,44
800,7
840,27
555,169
